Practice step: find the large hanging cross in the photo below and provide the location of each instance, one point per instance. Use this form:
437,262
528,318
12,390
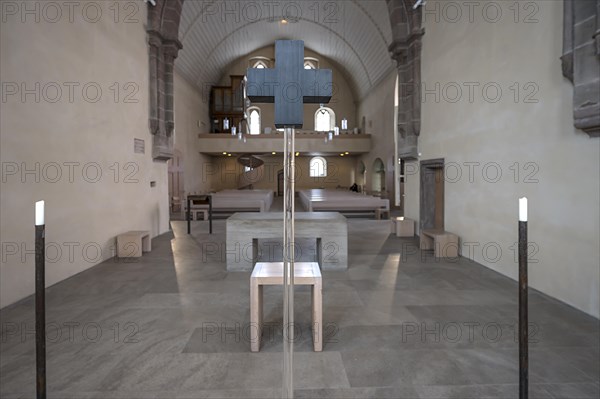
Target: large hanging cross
289,85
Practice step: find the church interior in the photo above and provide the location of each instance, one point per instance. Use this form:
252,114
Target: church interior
310,199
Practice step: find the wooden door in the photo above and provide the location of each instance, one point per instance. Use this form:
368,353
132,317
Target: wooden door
176,188
432,194
439,199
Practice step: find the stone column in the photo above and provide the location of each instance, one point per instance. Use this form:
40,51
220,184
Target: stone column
171,48
154,56
407,55
163,27
581,61
406,51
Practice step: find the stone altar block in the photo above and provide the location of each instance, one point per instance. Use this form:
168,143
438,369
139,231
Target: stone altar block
329,229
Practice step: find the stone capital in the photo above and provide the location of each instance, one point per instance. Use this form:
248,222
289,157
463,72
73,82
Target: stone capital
171,48
154,38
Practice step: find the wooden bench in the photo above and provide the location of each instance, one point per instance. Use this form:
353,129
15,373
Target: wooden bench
403,227
443,243
271,273
133,243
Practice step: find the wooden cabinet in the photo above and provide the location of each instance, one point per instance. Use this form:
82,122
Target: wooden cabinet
227,105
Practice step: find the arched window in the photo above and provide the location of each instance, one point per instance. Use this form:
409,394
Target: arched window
324,120
318,167
259,65
254,120
311,63
260,62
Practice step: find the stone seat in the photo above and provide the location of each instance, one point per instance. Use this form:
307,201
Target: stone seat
403,227
271,273
133,243
443,243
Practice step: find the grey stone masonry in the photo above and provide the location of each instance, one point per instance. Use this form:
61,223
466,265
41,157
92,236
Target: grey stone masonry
163,41
406,51
581,61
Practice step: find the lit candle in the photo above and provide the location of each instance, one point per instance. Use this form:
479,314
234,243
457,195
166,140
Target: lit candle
336,130
39,213
523,209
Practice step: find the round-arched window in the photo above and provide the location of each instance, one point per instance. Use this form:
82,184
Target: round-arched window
324,119
318,167
254,120
259,65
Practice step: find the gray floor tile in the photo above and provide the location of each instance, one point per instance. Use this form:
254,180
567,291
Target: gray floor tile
397,324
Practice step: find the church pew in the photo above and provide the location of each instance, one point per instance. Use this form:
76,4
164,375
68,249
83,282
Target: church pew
342,201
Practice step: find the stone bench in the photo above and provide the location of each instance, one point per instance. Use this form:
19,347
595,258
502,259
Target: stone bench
271,273
133,243
443,243
403,227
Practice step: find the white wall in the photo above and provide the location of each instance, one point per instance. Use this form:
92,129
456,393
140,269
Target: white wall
77,211
191,118
564,213
378,109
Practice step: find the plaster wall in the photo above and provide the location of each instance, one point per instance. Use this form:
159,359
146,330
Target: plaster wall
522,142
75,150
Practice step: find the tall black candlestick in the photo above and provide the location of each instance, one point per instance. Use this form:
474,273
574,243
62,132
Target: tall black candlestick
40,302
523,305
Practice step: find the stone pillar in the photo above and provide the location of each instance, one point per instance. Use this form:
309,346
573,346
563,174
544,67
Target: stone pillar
171,48
406,51
163,27
597,34
581,61
154,55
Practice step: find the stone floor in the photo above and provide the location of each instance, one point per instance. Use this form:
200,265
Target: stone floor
173,324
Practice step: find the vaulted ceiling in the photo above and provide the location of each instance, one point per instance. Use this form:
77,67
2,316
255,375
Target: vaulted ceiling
355,34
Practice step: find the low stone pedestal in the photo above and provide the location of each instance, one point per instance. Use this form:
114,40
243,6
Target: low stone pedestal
403,227
133,243
244,229
443,243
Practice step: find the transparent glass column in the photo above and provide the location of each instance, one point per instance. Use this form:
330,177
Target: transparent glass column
289,164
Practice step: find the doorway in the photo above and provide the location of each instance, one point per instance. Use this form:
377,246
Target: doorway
280,183
432,194
378,177
176,188
361,176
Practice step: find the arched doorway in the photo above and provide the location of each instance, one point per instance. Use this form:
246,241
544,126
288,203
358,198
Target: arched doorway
361,175
378,177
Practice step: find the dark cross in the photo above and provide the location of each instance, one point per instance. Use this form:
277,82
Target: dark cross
289,85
